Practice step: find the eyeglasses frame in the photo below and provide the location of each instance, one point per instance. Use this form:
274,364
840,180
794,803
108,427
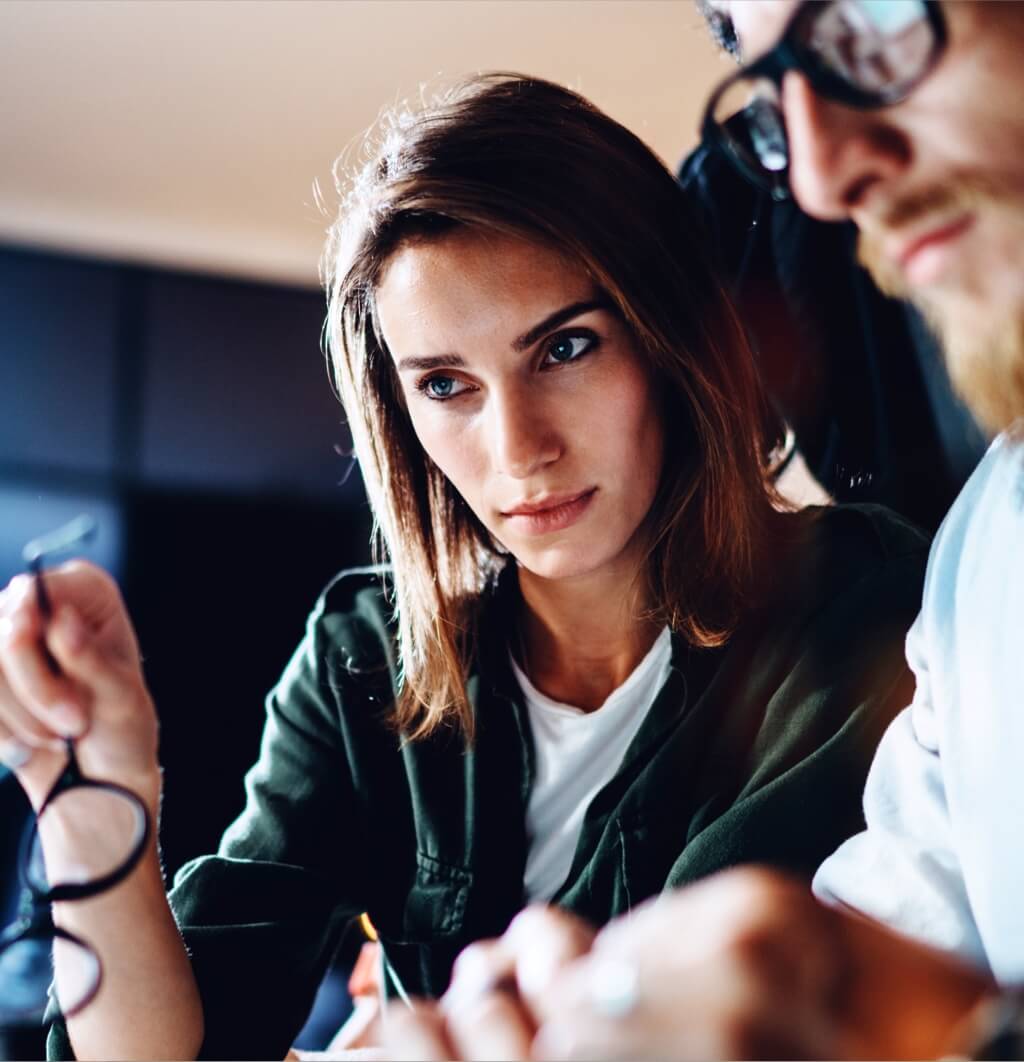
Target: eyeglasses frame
787,55
35,919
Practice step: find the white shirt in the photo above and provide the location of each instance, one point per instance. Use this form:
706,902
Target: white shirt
943,854
575,754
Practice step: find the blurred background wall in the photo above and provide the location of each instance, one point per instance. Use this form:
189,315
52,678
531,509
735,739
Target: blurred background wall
161,169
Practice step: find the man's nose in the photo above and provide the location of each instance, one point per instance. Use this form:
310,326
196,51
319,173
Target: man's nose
523,438
838,155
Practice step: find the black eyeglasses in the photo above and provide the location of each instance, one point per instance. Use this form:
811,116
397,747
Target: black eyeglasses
862,53
104,825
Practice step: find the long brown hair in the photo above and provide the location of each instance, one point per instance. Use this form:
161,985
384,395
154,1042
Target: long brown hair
528,158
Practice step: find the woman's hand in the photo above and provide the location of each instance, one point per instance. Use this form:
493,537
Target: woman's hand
98,696
498,995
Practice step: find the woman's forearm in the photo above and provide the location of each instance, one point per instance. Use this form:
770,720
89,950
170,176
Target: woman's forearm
148,1004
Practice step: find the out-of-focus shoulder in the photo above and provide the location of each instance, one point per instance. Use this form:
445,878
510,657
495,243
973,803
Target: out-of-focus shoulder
995,488
987,517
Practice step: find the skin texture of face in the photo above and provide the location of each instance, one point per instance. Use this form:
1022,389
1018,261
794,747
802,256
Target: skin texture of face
935,185
533,415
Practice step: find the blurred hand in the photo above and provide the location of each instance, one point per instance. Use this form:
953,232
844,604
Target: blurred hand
99,695
499,993
748,965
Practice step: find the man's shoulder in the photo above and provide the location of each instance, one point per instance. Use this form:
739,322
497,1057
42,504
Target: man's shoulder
991,503
976,556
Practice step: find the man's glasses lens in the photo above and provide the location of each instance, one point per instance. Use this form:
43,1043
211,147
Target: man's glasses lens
863,53
877,47
749,119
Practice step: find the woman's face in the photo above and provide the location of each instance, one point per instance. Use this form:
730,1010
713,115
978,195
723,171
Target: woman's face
528,392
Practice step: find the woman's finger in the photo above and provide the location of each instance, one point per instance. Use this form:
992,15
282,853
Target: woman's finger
81,659
48,698
14,753
417,1034
495,1025
477,970
22,725
542,942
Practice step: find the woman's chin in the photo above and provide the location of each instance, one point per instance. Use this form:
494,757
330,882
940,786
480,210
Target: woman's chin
565,561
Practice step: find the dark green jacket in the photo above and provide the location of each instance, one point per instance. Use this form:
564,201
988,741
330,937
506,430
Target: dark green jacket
754,752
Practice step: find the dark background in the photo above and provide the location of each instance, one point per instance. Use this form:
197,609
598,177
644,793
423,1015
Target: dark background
193,417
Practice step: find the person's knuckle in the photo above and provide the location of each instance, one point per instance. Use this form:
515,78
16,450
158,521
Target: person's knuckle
535,922
480,1010
18,586
79,571
471,956
762,901
26,727
740,1033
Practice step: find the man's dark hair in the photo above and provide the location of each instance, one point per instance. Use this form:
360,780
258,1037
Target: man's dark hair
721,27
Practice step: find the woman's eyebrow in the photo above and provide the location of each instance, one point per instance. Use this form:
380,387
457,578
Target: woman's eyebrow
432,361
553,320
527,339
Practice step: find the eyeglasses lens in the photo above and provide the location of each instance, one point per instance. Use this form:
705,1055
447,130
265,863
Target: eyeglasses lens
878,48
26,971
749,118
862,52
96,829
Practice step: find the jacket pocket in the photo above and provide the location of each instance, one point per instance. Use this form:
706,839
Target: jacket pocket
421,944
436,904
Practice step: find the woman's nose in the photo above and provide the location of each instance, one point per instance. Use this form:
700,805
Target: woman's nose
838,154
523,437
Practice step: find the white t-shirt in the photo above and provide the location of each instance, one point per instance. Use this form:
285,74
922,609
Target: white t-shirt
942,857
576,754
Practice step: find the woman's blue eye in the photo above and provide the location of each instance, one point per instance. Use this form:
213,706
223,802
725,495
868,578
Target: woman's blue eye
440,388
568,348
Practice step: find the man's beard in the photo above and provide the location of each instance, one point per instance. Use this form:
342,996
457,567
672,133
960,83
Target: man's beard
983,343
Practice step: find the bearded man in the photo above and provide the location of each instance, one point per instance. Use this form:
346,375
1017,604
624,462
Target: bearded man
905,117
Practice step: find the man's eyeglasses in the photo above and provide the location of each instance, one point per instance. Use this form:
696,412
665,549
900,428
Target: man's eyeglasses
862,53
104,825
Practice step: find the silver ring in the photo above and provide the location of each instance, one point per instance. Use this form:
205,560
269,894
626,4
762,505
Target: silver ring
614,988
14,754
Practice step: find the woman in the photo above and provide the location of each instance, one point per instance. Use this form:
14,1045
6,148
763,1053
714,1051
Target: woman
600,662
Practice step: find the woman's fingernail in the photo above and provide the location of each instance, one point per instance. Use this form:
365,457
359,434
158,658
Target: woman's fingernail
534,972
474,977
14,754
70,630
68,718
12,627
554,1041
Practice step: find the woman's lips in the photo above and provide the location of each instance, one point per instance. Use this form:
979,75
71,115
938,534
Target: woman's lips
927,256
556,517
